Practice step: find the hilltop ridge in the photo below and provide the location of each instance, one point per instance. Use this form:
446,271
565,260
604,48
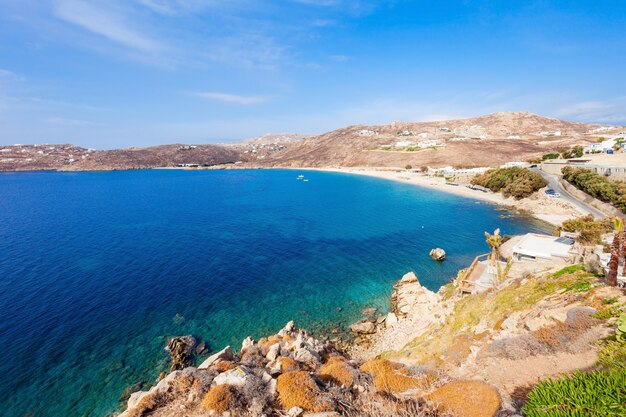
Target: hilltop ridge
507,136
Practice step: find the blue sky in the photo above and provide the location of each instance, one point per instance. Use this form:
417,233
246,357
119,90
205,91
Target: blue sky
120,73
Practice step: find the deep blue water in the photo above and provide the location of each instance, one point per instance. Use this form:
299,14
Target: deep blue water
98,269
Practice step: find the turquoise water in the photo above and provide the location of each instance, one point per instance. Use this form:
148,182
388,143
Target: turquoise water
98,269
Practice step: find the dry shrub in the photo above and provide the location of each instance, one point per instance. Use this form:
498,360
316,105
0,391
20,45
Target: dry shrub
288,364
467,399
253,356
459,350
376,366
147,403
223,366
220,398
337,370
396,382
574,335
298,389
376,405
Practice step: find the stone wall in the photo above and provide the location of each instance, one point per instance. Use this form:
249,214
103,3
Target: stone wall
605,208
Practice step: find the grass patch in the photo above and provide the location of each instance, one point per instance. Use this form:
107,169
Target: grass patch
492,307
612,355
220,398
467,398
337,370
594,394
609,301
610,312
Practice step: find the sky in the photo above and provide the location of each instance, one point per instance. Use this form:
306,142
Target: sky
118,73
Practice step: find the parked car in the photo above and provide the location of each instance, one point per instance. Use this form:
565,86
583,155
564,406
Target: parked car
552,194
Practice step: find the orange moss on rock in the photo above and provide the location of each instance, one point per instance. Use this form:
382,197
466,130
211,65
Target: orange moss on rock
288,364
298,389
219,398
467,399
223,366
396,382
460,349
266,342
336,369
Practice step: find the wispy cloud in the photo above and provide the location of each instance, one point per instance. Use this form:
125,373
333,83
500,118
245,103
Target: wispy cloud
104,21
607,111
231,98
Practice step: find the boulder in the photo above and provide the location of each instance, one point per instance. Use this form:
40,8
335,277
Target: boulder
238,376
295,411
273,352
287,330
247,342
410,298
363,327
391,319
409,277
180,349
438,254
307,357
225,354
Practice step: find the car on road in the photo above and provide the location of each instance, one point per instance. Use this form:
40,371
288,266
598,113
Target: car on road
552,194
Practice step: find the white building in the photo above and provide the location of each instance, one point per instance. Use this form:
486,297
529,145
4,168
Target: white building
403,143
515,164
429,144
600,147
535,246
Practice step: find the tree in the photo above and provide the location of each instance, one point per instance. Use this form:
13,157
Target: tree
611,278
494,241
408,166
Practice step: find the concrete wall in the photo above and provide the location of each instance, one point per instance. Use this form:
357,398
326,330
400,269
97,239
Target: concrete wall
605,208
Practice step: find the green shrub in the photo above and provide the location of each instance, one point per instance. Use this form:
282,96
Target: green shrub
598,186
550,156
576,152
594,394
612,355
610,312
590,230
512,182
609,301
568,270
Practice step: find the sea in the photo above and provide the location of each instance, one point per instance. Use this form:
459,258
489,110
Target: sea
99,269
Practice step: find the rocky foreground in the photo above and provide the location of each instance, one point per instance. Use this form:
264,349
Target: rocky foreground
434,354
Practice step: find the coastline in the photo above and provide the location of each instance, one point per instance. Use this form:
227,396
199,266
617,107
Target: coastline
540,206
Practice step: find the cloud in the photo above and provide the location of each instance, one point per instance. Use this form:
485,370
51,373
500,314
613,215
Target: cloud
607,111
104,22
231,98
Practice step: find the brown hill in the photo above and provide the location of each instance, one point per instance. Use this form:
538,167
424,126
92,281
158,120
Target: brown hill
481,141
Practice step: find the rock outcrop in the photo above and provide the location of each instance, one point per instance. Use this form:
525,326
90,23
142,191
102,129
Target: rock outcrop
438,254
409,297
180,349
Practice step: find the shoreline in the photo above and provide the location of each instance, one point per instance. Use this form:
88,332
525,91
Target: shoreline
549,210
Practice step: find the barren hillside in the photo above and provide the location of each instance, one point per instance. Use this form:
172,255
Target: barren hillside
481,141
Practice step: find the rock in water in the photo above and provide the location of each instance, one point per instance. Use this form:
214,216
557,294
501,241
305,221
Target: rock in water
438,254
180,349
363,327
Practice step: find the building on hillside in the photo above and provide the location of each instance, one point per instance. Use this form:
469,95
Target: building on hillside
600,146
430,144
533,246
515,164
610,165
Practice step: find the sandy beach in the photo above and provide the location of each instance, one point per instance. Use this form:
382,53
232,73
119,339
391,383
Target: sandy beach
539,205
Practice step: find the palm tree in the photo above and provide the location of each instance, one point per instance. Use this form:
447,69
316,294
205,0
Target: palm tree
494,241
611,278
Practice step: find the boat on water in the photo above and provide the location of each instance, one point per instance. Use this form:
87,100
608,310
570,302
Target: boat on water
300,177
306,180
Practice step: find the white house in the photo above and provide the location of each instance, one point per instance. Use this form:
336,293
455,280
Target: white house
429,143
514,164
403,143
535,246
600,147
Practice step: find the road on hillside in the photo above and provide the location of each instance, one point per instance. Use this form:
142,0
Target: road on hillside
553,183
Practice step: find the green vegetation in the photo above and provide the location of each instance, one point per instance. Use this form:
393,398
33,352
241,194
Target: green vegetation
575,152
598,186
550,156
493,307
612,355
408,166
620,330
610,312
593,394
590,230
609,301
516,182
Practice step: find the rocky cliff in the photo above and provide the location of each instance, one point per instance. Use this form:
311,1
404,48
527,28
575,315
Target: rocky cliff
434,354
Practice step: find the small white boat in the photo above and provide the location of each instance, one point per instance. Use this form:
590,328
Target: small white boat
300,177
306,180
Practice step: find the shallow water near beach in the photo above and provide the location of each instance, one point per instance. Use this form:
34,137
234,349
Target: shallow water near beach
98,269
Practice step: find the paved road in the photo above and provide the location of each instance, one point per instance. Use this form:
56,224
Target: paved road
553,183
